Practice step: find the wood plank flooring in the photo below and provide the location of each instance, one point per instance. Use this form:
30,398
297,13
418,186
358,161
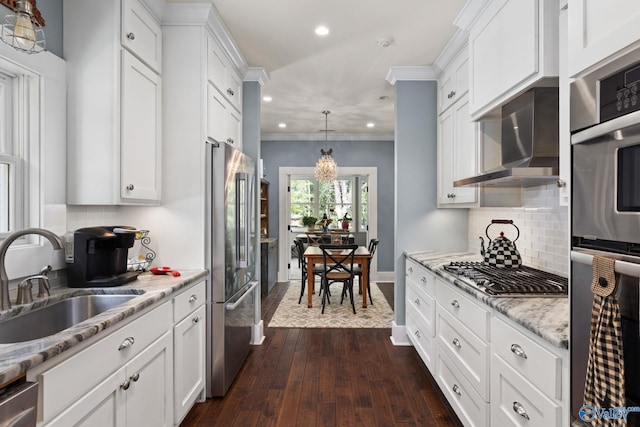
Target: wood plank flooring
327,377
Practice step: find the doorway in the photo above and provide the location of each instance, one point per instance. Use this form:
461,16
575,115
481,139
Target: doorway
353,193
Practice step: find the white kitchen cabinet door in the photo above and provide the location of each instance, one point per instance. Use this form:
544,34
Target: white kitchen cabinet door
141,34
457,154
234,129
149,398
222,75
224,124
512,45
454,83
189,363
140,144
599,29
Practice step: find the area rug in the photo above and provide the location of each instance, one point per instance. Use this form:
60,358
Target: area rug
290,314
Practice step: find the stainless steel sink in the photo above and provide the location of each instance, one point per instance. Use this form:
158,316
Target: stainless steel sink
57,317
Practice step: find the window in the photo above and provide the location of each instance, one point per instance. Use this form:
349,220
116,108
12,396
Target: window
10,162
335,199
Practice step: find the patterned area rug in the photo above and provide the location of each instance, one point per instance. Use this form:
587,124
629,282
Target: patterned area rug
290,314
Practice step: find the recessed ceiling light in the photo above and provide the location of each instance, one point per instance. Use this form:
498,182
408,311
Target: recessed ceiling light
371,124
267,98
282,125
321,30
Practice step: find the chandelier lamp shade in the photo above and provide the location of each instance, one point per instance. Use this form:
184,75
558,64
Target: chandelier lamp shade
326,168
21,30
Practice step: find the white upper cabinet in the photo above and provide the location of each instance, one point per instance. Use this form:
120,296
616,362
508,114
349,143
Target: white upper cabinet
222,75
141,34
114,107
600,29
513,45
454,82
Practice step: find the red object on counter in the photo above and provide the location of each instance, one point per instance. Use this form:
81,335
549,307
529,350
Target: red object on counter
164,270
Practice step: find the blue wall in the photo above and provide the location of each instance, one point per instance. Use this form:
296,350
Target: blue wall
51,11
378,154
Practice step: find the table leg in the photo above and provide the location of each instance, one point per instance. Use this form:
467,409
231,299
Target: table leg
365,281
310,283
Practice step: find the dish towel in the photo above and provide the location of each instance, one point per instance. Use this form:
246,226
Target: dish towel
604,387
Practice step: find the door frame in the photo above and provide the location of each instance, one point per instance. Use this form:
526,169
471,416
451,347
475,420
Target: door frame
284,207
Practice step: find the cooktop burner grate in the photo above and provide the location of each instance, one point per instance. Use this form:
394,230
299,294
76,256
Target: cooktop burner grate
521,281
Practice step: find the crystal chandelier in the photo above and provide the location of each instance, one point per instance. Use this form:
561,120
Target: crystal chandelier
21,31
326,168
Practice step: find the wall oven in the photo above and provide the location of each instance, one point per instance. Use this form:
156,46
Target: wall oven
605,212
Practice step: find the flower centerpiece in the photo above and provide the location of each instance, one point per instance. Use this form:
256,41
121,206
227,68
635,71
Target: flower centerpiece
324,223
345,221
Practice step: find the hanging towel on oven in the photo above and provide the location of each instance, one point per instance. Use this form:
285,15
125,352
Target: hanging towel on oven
604,387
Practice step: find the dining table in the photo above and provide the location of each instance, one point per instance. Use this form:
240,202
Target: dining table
313,255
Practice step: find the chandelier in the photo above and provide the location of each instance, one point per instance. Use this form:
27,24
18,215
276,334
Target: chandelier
326,168
21,30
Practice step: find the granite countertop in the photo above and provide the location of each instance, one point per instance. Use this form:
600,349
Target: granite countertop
547,317
17,358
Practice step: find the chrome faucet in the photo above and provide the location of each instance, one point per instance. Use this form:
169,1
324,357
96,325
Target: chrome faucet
56,242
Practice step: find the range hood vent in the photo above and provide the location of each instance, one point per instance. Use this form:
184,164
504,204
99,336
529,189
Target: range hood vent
529,142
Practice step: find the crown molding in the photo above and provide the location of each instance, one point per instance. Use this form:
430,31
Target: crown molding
204,13
454,46
469,13
257,74
332,137
419,73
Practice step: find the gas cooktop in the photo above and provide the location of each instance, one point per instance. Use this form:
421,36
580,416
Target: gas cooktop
509,282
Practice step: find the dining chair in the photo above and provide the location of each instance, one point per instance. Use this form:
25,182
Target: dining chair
315,239
318,270
357,270
338,267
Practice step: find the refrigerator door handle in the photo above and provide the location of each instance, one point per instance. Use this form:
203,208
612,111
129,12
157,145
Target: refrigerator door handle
233,306
242,220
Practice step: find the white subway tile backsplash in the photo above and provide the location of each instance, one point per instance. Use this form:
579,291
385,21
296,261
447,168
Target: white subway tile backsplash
90,216
543,224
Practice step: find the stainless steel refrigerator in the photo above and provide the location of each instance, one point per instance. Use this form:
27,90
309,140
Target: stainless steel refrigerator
231,242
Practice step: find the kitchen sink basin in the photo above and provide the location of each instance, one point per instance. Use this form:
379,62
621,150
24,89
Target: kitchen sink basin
57,317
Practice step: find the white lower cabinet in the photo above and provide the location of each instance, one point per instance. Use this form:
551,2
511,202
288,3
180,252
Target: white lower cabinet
492,371
190,351
138,394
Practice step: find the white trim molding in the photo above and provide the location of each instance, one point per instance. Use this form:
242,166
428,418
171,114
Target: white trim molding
399,335
332,137
413,73
257,74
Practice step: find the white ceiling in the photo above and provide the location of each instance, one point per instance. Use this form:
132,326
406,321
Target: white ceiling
343,72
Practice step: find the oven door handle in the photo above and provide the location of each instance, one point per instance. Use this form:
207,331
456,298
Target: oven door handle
622,267
601,129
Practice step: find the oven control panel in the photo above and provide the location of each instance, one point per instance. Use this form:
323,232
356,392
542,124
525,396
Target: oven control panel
619,93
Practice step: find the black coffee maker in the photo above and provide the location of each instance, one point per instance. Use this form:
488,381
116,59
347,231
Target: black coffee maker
100,257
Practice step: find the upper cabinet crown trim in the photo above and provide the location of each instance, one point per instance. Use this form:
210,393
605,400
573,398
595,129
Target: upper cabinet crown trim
206,14
410,73
257,74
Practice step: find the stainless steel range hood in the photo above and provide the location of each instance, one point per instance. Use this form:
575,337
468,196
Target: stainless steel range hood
529,142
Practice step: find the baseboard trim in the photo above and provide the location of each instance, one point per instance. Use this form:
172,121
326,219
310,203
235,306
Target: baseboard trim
399,335
383,276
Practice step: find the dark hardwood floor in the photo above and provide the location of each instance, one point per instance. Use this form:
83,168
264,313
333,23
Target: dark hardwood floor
327,377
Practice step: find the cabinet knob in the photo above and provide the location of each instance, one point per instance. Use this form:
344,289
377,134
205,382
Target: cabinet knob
455,303
195,319
230,140
456,389
135,377
230,92
125,385
519,409
456,342
128,342
424,280
417,334
518,351
193,298
561,183
410,269
131,36
130,187
417,301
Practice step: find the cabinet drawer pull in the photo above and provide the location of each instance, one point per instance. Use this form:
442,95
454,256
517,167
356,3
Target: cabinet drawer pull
135,377
455,303
518,351
456,342
193,298
417,301
417,333
410,269
230,140
128,342
456,389
519,409
195,319
131,36
125,385
230,92
130,187
424,280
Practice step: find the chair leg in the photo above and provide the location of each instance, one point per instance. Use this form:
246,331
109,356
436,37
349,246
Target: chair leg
325,294
304,281
369,292
353,305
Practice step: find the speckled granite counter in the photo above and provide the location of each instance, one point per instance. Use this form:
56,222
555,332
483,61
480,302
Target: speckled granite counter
18,358
546,317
